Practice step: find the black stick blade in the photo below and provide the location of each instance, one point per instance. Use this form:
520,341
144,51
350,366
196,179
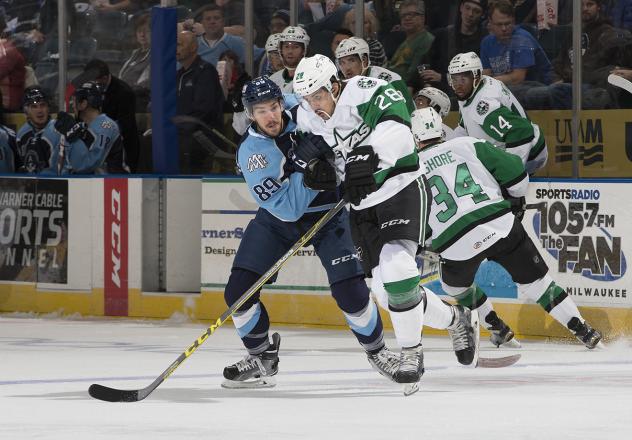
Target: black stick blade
108,394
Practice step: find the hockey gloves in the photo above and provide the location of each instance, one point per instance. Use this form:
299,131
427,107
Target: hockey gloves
67,126
518,206
320,175
311,146
359,168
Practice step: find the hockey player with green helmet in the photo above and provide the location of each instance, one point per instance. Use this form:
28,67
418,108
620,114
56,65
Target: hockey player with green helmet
470,221
490,111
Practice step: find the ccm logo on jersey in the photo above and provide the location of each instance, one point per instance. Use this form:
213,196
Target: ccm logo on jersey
358,158
397,221
344,259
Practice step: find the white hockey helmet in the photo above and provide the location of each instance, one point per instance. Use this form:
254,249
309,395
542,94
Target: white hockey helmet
313,73
295,34
353,46
272,43
465,62
437,98
426,124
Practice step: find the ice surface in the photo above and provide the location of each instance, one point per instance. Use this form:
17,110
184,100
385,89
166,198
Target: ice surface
326,388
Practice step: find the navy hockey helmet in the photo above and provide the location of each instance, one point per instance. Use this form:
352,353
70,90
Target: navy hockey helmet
92,92
34,95
258,90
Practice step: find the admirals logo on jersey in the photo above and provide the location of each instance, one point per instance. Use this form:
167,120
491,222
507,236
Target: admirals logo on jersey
482,107
366,83
385,76
107,124
257,162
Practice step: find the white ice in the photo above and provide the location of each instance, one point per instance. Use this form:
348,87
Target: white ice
325,388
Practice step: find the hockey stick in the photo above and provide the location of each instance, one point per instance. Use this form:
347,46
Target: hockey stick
108,394
185,119
208,144
619,81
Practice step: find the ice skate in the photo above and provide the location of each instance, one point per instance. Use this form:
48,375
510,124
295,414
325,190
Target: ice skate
410,368
384,362
464,332
255,371
587,335
500,333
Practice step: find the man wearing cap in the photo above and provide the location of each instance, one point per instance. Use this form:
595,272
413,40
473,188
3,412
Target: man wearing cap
418,40
463,36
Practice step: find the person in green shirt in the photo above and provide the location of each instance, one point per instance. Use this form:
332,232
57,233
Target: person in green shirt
418,40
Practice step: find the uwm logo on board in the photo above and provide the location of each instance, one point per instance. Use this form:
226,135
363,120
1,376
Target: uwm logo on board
115,247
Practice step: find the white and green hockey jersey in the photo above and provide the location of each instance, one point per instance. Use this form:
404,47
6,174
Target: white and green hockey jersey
393,79
283,80
468,213
371,112
494,114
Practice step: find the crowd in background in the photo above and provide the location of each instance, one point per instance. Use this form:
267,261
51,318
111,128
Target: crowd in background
522,45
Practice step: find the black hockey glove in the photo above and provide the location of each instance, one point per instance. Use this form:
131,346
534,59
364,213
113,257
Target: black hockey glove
67,126
360,165
311,146
518,206
320,175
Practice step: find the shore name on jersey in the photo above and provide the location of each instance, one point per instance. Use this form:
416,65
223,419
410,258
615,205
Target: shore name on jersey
439,160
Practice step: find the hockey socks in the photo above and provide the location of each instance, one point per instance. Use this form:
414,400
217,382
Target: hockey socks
252,327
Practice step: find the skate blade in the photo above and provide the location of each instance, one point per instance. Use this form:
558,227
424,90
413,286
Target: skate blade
512,343
263,382
410,388
477,338
600,346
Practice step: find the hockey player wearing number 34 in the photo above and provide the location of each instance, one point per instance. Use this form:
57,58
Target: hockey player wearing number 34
366,123
490,111
287,209
470,221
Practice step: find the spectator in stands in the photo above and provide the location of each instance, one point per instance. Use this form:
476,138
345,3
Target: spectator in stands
199,94
371,29
512,55
621,14
465,35
119,104
91,140
215,41
418,40
341,34
12,71
234,20
234,83
605,48
136,70
280,20
37,137
8,153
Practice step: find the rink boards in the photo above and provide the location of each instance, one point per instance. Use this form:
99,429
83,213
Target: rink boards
54,258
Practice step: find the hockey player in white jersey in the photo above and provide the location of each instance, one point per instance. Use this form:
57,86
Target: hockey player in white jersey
470,221
438,100
367,124
352,57
490,111
293,43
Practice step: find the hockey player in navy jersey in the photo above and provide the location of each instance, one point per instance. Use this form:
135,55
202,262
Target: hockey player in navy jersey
287,209
91,142
37,137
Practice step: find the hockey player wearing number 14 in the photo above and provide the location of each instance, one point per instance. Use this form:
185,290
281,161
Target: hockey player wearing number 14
491,112
470,221
366,123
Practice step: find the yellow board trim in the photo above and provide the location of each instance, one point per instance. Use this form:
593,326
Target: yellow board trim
527,320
